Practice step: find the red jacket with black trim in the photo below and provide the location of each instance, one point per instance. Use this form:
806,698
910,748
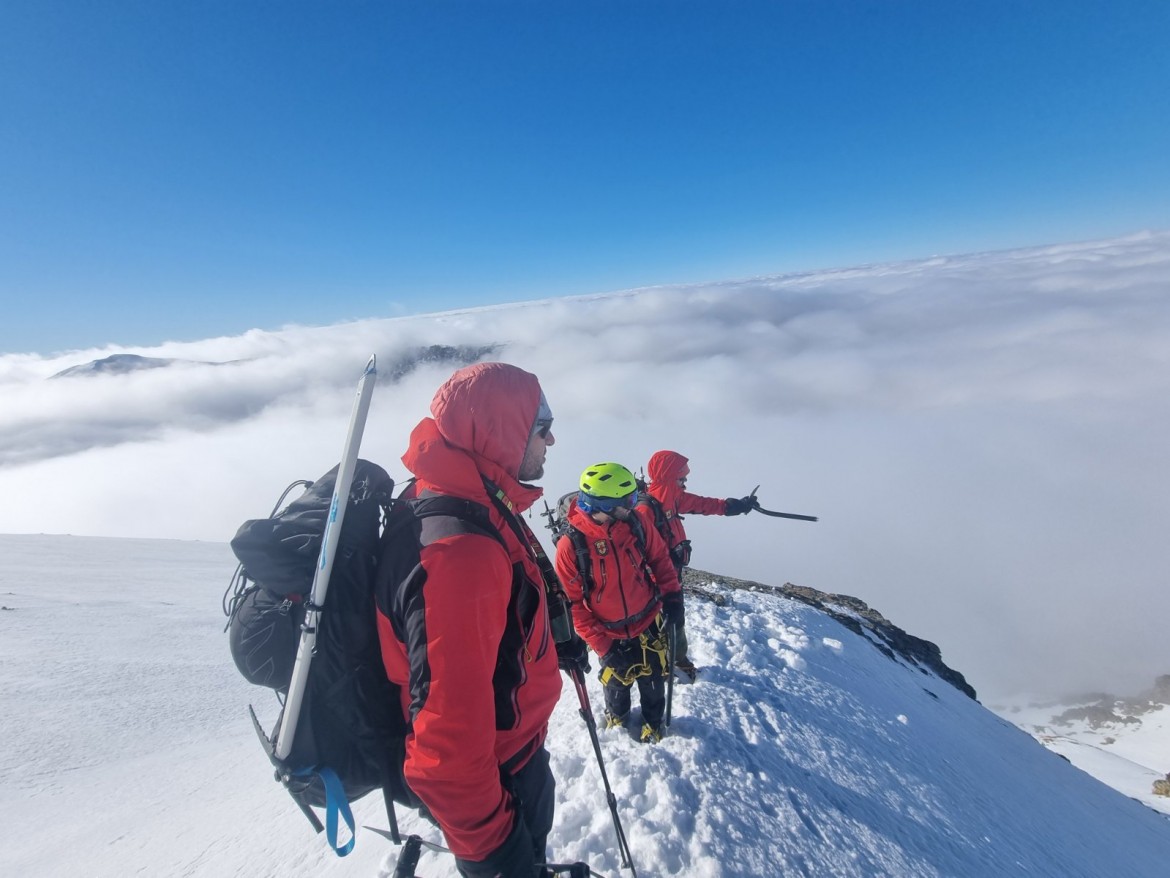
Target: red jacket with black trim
664,470
477,666
625,596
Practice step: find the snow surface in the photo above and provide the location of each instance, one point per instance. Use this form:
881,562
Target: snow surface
1128,756
802,750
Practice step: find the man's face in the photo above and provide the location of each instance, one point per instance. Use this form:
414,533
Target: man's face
532,466
682,479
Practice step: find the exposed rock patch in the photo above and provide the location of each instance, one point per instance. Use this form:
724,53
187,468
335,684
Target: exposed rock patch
855,615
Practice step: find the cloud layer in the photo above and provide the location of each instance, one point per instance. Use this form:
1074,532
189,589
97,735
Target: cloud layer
983,436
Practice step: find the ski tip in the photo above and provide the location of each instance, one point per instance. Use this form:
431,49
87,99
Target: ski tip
372,365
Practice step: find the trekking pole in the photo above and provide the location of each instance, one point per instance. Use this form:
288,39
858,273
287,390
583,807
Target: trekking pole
758,508
578,677
671,649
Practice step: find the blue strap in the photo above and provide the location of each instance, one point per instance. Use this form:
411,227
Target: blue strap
335,803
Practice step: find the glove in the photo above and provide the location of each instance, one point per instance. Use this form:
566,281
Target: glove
672,609
516,856
618,659
573,654
742,506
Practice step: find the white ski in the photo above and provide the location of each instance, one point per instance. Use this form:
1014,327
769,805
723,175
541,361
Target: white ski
308,642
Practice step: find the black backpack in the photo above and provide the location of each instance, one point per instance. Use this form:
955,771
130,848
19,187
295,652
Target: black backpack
680,553
350,733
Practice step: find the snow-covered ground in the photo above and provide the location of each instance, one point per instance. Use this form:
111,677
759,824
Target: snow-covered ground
1128,755
802,750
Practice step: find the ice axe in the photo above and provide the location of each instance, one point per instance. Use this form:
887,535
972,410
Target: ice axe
758,508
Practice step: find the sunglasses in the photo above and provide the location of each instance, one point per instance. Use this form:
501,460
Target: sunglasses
542,427
589,503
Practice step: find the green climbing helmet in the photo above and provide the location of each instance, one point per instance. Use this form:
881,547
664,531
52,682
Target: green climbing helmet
605,486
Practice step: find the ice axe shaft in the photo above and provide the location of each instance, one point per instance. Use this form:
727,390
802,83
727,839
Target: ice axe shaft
763,511
758,508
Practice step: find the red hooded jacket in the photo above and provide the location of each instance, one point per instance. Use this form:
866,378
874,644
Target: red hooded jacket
664,469
626,583
478,667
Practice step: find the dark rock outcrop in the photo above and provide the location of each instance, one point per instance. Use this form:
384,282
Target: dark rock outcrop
1101,709
1095,716
458,355
855,615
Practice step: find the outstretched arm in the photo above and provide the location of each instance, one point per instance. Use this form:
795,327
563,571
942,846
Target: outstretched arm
693,504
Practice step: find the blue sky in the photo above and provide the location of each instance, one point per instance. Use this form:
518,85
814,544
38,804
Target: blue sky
186,170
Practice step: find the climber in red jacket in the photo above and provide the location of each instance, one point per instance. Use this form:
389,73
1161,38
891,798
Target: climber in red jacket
668,500
617,574
470,644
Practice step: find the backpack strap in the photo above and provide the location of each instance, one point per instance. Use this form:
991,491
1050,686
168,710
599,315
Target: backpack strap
639,533
661,523
552,584
584,561
442,516
680,552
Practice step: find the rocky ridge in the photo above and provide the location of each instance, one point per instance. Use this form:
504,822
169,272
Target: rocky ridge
853,613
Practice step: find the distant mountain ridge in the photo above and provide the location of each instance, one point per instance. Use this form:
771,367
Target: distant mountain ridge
200,401
397,368
122,364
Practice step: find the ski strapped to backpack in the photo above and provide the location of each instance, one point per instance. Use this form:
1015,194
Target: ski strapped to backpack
333,525
338,710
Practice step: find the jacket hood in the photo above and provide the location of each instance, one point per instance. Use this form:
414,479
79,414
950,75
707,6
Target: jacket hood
441,467
665,466
584,523
488,410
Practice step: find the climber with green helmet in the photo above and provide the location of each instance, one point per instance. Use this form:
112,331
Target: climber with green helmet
618,575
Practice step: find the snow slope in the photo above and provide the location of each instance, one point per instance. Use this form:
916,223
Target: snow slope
802,750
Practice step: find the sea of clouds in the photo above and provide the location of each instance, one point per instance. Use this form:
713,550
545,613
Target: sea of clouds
983,437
